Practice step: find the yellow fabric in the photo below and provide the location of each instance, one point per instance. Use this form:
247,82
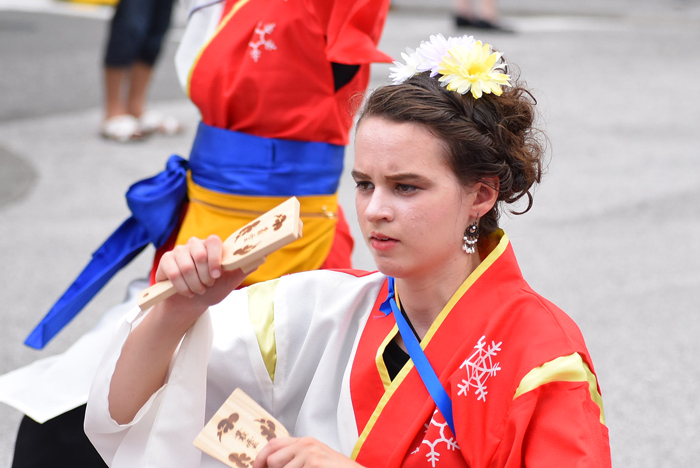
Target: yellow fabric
569,368
221,26
261,307
379,359
503,242
378,410
222,214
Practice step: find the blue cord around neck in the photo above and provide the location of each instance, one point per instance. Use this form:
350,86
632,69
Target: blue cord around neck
415,352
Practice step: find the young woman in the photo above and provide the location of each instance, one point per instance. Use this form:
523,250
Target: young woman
444,357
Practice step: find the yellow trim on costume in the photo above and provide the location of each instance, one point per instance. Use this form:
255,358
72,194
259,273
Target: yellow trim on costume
569,368
261,307
221,26
380,406
379,359
471,279
212,212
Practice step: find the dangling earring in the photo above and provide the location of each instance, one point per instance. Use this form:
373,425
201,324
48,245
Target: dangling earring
471,236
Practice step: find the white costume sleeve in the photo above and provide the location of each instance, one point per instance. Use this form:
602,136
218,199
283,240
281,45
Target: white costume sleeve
318,318
56,384
203,18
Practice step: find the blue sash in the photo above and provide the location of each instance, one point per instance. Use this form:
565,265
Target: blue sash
237,163
221,160
425,370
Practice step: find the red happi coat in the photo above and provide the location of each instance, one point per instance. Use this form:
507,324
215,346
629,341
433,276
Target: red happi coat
521,380
267,71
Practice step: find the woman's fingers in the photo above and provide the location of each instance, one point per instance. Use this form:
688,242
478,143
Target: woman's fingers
192,267
195,270
214,251
274,454
169,269
185,257
200,253
306,452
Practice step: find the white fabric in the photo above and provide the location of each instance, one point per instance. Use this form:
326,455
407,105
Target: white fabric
318,319
201,25
57,384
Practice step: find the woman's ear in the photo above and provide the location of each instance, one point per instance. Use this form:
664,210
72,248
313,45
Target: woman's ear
486,192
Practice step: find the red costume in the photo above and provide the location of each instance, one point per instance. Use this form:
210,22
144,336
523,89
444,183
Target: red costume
516,368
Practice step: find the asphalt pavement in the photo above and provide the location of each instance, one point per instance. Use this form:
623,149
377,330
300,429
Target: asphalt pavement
611,238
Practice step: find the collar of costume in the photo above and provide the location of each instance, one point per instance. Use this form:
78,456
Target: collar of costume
417,355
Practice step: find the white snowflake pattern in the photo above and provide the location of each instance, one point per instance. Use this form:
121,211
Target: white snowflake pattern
480,367
264,41
433,455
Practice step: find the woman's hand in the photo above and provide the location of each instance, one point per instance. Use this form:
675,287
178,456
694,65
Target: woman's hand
195,271
306,452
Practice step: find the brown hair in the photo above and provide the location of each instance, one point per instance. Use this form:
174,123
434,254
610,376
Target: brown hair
492,136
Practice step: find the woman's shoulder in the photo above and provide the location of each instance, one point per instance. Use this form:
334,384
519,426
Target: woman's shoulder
545,319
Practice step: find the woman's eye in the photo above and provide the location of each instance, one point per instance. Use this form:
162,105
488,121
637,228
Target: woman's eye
405,188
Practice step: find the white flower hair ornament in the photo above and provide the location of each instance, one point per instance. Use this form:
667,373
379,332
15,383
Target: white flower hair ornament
463,63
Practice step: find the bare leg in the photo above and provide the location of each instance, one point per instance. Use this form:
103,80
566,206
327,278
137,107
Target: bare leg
489,10
114,82
140,78
463,8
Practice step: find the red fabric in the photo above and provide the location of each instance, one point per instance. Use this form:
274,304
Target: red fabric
365,382
340,255
555,425
289,92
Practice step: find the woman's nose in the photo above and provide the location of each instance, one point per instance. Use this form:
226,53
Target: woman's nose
379,207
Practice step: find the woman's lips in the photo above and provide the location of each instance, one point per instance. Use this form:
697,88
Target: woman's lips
381,242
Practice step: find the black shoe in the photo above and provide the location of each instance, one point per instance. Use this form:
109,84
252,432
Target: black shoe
479,23
463,21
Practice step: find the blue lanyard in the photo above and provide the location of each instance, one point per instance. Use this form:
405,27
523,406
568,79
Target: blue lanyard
415,352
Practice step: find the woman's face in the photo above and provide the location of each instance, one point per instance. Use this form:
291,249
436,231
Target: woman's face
410,206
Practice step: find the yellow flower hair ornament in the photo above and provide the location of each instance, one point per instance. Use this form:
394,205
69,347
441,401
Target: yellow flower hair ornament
464,65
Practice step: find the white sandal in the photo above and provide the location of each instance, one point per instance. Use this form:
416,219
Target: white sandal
122,128
153,121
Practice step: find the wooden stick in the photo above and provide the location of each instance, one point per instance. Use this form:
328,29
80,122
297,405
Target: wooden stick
245,249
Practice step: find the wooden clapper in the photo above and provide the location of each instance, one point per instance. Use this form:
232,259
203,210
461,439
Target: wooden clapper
238,431
246,248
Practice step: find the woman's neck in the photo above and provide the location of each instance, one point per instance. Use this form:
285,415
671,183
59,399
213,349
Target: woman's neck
424,297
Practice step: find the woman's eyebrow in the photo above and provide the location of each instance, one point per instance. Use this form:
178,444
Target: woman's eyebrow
406,177
401,177
358,175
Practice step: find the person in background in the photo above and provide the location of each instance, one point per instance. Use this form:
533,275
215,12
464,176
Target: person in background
483,16
276,83
136,36
444,357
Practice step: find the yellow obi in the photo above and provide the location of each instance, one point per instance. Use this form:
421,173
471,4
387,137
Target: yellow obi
211,212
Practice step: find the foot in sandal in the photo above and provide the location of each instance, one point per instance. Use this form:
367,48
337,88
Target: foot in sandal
122,128
153,121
